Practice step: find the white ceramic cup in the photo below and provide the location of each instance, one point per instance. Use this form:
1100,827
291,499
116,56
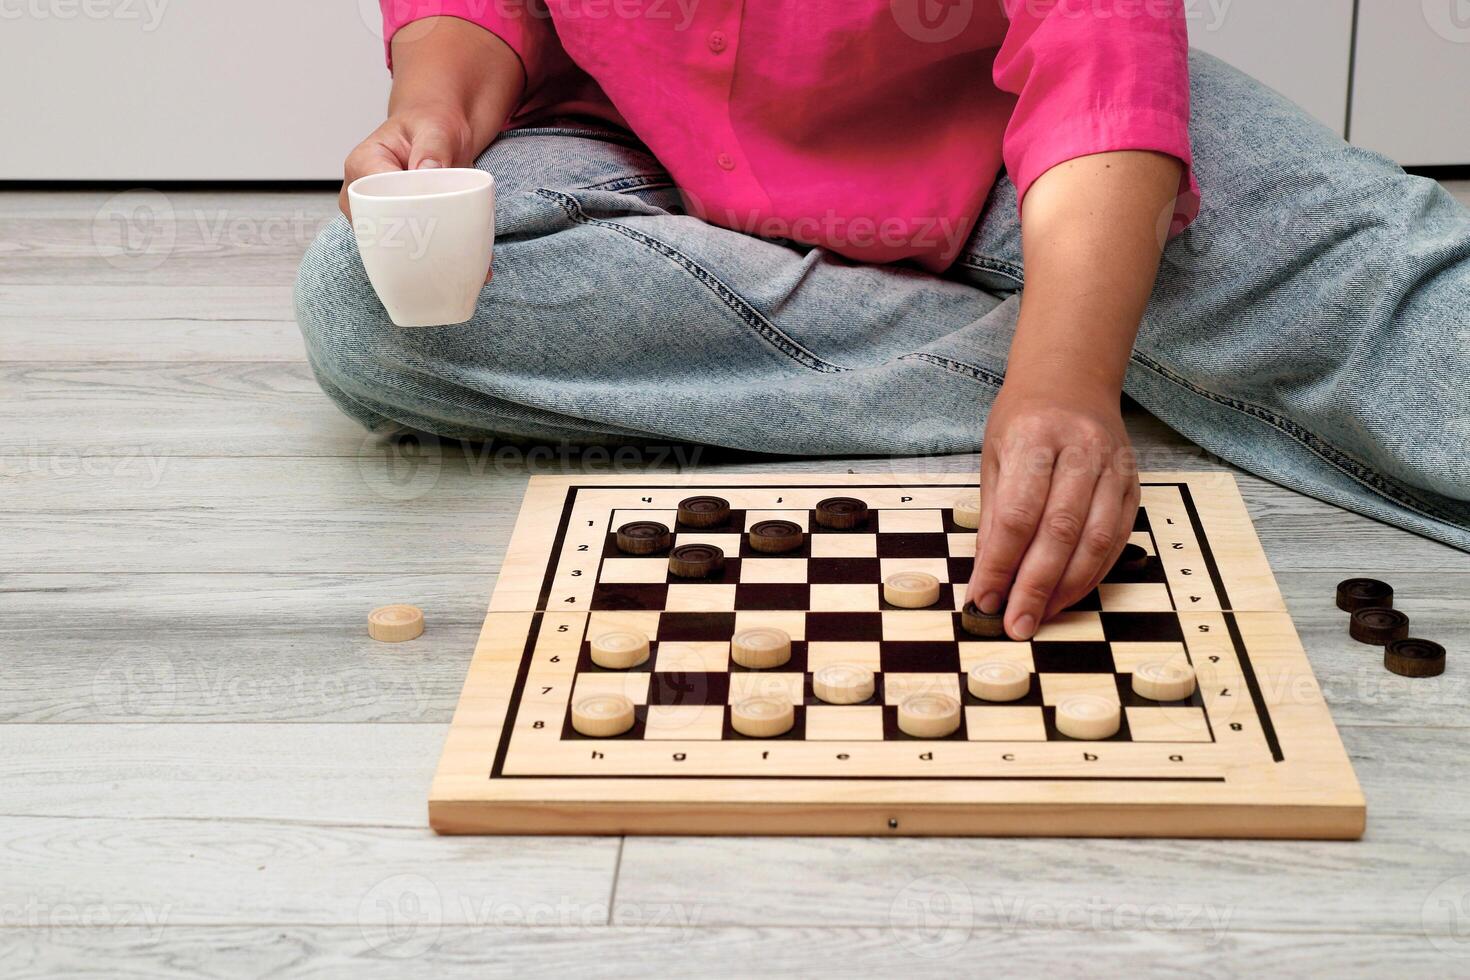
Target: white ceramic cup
426,238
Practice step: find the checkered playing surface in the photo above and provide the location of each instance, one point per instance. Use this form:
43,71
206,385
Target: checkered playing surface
1252,752
828,596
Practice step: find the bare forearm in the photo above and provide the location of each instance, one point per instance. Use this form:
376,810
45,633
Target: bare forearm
1092,231
1058,476
460,68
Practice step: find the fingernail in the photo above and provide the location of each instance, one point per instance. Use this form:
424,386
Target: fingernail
430,165
1025,626
989,602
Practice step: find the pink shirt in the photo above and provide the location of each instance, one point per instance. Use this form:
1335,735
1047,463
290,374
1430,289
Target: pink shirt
874,128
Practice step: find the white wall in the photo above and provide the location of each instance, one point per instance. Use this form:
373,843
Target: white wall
1411,90
1298,47
187,89
152,90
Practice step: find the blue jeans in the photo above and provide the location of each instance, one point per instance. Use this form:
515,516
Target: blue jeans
1312,326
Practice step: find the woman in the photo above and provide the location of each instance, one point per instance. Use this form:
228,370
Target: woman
786,228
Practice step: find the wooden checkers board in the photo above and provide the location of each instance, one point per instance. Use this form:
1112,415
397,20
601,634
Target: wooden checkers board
1252,753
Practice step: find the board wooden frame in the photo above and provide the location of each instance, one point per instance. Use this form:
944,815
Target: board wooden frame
1285,773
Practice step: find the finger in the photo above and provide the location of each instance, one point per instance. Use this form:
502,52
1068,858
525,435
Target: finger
370,157
1101,541
433,146
1127,514
988,469
1020,489
1127,517
1055,541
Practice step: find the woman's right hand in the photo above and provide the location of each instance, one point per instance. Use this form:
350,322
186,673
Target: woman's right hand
412,138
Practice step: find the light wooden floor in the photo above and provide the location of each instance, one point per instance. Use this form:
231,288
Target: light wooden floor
206,768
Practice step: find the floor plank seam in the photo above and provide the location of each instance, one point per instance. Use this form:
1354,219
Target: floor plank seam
612,898
683,928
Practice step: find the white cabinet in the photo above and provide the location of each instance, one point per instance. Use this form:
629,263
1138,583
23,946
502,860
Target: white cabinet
1411,83
187,89
1298,47
152,90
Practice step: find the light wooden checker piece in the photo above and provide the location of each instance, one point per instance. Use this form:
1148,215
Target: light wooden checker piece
1250,751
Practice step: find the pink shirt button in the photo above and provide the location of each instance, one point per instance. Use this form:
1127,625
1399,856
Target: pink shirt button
725,161
717,41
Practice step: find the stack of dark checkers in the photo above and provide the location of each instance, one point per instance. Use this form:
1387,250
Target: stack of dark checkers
1373,620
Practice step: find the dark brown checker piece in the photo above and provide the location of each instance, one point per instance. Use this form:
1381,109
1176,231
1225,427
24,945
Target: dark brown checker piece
841,513
1413,657
977,623
1133,559
644,538
696,560
775,537
1379,627
703,511
1363,593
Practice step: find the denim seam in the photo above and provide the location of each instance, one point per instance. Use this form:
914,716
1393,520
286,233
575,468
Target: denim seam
1368,477
633,182
958,367
766,330
1007,269
605,136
